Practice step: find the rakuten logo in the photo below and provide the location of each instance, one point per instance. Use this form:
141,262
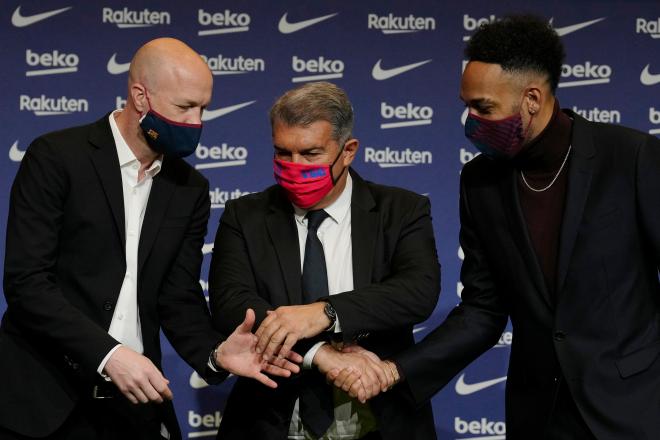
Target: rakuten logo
44,106
392,158
648,27
408,115
225,22
599,115
654,118
126,18
392,24
483,429
585,74
51,63
471,24
322,69
223,155
220,65
219,197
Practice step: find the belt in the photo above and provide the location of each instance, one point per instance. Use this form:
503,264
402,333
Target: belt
104,390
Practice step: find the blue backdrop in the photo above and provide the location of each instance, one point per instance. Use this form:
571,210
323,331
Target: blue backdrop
65,63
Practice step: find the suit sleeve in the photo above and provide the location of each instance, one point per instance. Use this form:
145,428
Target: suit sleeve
184,315
408,294
648,193
471,328
232,287
35,302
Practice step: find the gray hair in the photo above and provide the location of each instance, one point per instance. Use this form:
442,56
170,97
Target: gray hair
312,102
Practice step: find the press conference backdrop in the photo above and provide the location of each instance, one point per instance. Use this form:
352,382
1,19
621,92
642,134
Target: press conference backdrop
65,64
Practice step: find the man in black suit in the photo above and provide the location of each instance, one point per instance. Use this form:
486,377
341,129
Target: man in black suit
104,236
560,227
324,258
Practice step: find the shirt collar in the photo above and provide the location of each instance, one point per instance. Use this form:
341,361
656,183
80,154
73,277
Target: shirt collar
124,152
337,210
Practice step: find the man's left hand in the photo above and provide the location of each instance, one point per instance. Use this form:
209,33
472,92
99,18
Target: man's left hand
286,325
238,356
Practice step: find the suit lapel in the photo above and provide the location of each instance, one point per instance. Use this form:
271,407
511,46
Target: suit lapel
364,224
580,169
162,188
284,236
520,234
105,161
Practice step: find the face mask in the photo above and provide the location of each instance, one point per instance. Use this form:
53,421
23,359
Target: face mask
169,137
305,184
502,139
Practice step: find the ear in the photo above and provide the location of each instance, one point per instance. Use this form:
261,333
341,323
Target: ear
139,96
350,150
534,99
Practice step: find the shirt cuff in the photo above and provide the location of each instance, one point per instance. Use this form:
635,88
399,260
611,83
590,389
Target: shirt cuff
105,361
309,356
211,362
337,325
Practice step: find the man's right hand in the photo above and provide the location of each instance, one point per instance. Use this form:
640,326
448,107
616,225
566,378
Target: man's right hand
137,377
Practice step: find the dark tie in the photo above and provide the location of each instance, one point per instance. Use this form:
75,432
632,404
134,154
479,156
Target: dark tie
316,406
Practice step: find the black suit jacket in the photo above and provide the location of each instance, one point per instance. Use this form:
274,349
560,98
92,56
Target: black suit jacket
603,332
396,275
65,263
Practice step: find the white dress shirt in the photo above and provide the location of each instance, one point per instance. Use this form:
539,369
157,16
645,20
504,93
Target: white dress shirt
125,324
352,419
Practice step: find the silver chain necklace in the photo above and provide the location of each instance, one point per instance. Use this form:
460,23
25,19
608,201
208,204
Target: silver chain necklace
553,180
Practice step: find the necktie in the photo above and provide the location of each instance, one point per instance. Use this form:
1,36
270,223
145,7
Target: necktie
316,406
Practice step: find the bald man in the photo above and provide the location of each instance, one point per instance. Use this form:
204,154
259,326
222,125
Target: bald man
104,235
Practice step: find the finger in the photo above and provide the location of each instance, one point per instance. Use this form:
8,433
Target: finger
276,371
295,357
248,322
151,393
276,340
332,375
265,380
383,381
346,377
130,397
288,344
287,365
270,317
265,336
160,385
139,395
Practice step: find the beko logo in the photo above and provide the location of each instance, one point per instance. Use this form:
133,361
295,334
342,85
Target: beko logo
648,27
647,78
126,18
505,340
394,158
221,65
585,74
202,421
223,156
379,73
16,154
465,156
20,20
321,67
50,63
654,118
465,389
392,24
225,22
44,106
220,197
287,27
599,115
209,115
484,429
115,68
470,24
405,115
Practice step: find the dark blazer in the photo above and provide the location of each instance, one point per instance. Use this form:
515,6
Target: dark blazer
603,333
65,263
396,275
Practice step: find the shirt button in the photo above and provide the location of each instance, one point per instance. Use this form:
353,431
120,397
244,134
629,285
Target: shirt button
135,167
120,316
559,336
107,306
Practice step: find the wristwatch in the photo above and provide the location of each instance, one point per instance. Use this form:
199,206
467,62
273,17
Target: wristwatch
331,313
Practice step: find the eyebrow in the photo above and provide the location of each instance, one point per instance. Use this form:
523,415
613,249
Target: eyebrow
302,151
479,101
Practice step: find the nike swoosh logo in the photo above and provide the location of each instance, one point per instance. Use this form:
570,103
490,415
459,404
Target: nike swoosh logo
288,28
196,382
15,154
561,31
418,329
465,389
116,68
207,248
212,114
649,79
19,20
380,74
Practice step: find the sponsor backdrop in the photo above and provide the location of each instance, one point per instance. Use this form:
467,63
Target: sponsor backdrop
65,63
